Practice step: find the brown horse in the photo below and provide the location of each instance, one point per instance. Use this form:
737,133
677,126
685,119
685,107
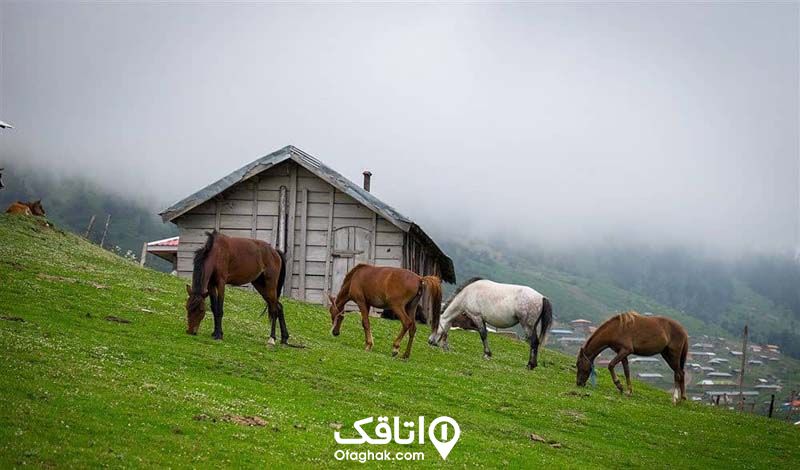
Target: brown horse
383,287
631,333
26,208
236,261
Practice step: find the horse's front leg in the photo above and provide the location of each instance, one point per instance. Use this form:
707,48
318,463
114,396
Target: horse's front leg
627,370
220,299
364,308
622,354
484,332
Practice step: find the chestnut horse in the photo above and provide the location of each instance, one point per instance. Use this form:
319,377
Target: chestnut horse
397,289
631,333
236,261
26,208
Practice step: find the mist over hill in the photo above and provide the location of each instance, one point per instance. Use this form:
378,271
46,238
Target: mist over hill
585,281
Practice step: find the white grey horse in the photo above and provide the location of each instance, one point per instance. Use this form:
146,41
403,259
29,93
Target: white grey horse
501,306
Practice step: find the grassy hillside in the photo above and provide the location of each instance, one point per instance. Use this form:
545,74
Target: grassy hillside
80,390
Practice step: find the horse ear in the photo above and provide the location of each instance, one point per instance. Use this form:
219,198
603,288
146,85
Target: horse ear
188,290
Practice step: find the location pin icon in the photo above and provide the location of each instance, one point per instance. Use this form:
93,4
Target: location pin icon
444,433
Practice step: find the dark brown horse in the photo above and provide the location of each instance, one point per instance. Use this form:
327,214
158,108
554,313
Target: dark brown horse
26,208
631,333
236,261
397,289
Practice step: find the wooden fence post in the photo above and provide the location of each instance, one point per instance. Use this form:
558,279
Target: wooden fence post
105,230
89,227
144,254
791,408
744,364
771,405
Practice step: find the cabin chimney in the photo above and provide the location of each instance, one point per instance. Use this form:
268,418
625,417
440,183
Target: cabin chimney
367,176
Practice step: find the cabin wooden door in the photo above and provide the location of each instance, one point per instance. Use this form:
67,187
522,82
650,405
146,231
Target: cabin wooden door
350,245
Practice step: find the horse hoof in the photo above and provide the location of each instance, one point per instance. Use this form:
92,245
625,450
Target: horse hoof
271,342
395,353
487,356
628,393
531,366
368,348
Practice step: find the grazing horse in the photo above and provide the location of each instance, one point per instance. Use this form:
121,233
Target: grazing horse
26,208
631,333
236,261
397,289
500,305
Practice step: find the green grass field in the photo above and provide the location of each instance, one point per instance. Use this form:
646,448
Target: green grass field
79,390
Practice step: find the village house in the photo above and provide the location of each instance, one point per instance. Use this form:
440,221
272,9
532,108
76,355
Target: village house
324,223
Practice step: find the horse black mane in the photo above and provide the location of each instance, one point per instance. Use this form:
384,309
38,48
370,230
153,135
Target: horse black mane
199,260
458,290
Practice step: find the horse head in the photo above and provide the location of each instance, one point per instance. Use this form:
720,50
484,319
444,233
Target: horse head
336,316
195,310
585,368
37,208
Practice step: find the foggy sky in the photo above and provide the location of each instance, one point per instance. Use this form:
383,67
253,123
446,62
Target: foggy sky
555,123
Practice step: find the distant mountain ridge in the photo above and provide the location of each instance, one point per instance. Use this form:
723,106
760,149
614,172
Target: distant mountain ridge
727,296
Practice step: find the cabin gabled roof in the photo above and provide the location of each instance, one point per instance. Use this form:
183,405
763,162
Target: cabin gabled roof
325,173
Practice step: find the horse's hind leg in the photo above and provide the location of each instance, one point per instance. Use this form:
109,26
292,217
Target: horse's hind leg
673,360
407,323
260,284
532,361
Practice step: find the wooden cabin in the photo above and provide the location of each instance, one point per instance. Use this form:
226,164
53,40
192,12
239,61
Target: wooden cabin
325,223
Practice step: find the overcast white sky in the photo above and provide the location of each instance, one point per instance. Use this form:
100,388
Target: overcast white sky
675,123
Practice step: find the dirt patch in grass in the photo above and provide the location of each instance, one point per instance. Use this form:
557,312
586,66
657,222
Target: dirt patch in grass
14,264
550,442
117,319
244,420
70,280
8,318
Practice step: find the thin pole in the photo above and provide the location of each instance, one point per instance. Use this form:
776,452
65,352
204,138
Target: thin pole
89,227
144,254
791,407
744,363
771,405
105,230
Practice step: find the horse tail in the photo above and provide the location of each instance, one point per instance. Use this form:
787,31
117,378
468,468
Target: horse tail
546,319
199,263
282,273
432,293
